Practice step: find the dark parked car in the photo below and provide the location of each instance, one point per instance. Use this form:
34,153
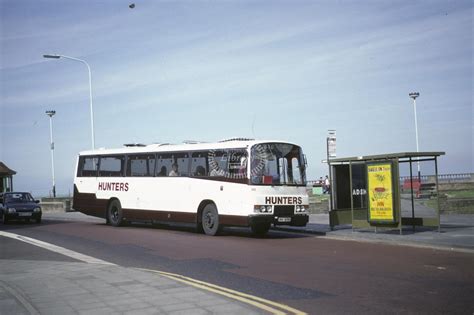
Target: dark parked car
19,206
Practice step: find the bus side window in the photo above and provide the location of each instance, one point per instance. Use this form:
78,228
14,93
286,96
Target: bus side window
237,163
183,164
111,166
87,166
163,171
198,164
141,165
218,163
163,164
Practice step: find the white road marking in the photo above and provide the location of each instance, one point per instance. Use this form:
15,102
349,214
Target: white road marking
56,249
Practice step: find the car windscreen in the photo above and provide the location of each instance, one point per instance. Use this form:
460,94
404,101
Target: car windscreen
18,198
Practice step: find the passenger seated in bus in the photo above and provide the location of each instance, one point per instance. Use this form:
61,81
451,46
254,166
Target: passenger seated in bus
174,170
162,171
200,171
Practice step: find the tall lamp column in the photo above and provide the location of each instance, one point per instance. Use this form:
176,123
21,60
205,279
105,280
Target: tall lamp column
51,113
414,95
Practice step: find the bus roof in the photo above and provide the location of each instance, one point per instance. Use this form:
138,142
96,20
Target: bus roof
185,146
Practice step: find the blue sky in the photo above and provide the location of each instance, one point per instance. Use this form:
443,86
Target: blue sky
168,71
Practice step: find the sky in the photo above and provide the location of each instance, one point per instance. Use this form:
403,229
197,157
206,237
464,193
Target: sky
169,71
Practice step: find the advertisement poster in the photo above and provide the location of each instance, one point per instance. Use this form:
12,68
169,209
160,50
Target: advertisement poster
380,190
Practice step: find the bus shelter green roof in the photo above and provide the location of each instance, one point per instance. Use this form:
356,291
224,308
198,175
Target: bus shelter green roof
405,156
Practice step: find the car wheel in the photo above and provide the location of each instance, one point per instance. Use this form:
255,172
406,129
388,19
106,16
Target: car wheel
114,213
210,220
5,219
38,220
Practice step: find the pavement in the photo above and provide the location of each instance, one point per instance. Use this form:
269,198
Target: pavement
457,233
45,282
71,286
46,287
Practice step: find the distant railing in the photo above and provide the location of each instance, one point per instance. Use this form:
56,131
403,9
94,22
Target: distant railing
443,178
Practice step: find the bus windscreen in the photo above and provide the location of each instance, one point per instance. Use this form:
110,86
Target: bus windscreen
277,164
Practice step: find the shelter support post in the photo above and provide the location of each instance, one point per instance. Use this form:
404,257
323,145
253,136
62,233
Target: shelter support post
437,195
412,198
352,199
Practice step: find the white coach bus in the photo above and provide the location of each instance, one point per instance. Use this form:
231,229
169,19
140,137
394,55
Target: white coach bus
235,182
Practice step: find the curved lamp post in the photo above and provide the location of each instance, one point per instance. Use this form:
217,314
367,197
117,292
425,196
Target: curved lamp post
90,89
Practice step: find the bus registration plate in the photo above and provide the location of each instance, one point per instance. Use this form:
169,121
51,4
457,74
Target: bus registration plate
284,219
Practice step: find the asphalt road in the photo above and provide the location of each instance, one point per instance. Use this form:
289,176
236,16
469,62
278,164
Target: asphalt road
310,273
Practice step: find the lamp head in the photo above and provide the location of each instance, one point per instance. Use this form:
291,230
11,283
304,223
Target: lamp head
414,95
52,56
50,113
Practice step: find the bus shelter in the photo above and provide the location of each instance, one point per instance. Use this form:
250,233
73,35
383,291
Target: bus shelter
366,191
6,178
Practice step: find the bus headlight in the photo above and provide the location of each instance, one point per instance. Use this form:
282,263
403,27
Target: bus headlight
11,210
262,209
301,208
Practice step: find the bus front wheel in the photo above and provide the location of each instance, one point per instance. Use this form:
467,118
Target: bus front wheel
114,213
210,220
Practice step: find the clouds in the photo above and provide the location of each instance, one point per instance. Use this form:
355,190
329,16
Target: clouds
291,69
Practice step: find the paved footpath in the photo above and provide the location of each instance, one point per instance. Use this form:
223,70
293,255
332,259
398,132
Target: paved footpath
42,282
457,233
45,287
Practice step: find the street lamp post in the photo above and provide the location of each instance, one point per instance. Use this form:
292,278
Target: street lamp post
90,89
51,113
414,95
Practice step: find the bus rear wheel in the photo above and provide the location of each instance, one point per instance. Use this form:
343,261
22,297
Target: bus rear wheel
260,229
210,220
114,213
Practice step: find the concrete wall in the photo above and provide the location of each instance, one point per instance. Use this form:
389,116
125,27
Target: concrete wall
56,204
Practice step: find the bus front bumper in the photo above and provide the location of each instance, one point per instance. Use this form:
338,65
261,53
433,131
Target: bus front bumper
294,220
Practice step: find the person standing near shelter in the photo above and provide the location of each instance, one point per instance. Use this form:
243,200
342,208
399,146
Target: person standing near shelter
326,185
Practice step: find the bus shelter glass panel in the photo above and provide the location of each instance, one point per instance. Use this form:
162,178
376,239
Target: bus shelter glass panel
419,190
342,183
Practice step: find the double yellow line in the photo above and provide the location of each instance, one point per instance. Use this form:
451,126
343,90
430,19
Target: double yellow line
263,304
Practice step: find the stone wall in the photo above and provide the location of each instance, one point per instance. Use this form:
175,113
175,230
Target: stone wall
456,205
